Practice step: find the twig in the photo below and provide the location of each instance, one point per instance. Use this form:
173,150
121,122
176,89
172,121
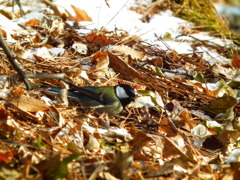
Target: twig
47,76
13,62
53,7
177,71
61,76
20,7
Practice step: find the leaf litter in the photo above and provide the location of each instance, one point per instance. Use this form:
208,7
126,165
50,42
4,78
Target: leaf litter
184,122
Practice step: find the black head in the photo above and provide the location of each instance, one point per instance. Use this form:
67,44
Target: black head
124,93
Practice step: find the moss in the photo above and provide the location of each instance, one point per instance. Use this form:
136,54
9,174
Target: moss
201,12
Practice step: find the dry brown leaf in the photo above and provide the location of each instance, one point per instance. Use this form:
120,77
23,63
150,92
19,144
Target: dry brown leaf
122,67
17,91
68,15
125,50
62,150
6,154
121,164
156,62
130,40
32,23
173,148
81,15
187,30
6,128
123,160
164,170
167,127
174,56
102,63
204,90
98,39
236,61
98,56
3,112
8,14
140,140
29,104
140,157
4,34
20,114
185,117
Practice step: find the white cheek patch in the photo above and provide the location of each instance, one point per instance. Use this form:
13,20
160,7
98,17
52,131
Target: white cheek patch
121,93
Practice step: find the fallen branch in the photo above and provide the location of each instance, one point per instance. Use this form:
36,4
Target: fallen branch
13,62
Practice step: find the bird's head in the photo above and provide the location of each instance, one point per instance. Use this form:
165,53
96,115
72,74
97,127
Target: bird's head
125,94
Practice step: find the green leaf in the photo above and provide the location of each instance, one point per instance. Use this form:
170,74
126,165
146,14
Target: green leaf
159,71
148,99
224,88
146,93
234,84
221,104
39,141
227,116
58,169
167,35
34,85
215,125
63,170
145,99
200,78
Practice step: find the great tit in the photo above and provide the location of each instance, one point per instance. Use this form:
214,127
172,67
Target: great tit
109,99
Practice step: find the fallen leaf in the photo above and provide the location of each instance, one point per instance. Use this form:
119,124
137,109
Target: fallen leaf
221,104
236,61
185,117
6,155
54,168
29,104
123,160
234,84
101,55
3,112
140,140
98,39
199,87
122,67
17,91
102,63
200,78
125,50
8,14
32,23
165,170
167,127
174,148
80,47
200,133
4,33
81,15
120,164
19,114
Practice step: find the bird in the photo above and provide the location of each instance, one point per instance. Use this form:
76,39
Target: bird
109,99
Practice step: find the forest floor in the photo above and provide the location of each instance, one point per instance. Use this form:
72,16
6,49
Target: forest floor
184,123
